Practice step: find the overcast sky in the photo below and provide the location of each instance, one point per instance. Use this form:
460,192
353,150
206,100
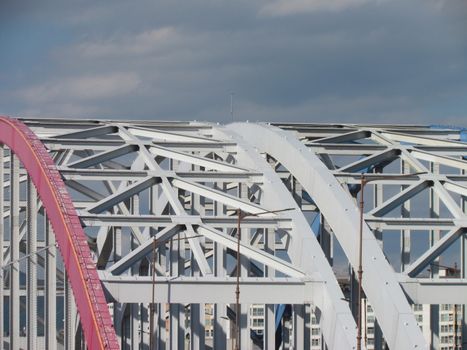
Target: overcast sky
288,60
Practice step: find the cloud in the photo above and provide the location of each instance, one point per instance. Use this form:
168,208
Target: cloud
59,109
82,88
139,44
346,60
290,7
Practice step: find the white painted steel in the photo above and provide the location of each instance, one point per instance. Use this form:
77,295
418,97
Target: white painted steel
182,182
381,287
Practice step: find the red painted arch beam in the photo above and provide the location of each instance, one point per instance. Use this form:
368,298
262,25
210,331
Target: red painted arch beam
81,271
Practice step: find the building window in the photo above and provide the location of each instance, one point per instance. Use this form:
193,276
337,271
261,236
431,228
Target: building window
258,311
258,322
446,307
445,317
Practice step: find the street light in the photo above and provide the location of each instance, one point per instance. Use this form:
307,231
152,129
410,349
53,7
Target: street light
153,273
363,181
240,216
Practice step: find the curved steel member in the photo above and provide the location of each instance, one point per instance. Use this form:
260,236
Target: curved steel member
90,300
336,320
391,307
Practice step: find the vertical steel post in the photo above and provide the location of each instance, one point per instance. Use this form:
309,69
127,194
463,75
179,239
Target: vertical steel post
135,316
360,269
220,332
14,255
50,287
197,311
299,326
405,234
237,285
177,310
161,337
220,321
434,237
269,338
378,199
32,265
455,326
463,274
69,329
153,329
2,232
151,316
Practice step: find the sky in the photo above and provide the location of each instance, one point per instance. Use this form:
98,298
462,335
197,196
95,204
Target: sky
348,61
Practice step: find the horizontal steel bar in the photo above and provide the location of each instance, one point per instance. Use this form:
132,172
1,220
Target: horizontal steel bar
161,220
409,223
123,174
167,136
209,290
435,291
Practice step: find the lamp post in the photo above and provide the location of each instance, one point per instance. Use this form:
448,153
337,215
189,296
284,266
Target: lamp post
360,269
153,274
153,295
237,285
240,216
363,181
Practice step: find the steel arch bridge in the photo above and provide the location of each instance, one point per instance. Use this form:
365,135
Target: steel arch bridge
119,234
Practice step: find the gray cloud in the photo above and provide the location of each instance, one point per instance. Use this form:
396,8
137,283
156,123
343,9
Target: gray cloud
341,60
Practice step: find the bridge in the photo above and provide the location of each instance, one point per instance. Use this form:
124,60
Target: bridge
164,235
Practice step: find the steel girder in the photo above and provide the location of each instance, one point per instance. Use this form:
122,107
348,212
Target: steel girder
181,184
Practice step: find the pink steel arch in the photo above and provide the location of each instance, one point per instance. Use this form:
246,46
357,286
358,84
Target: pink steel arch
91,304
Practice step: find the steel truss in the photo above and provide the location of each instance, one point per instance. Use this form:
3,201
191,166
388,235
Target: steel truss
108,192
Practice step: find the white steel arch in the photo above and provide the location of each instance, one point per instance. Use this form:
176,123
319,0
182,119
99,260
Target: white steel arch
391,307
338,325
